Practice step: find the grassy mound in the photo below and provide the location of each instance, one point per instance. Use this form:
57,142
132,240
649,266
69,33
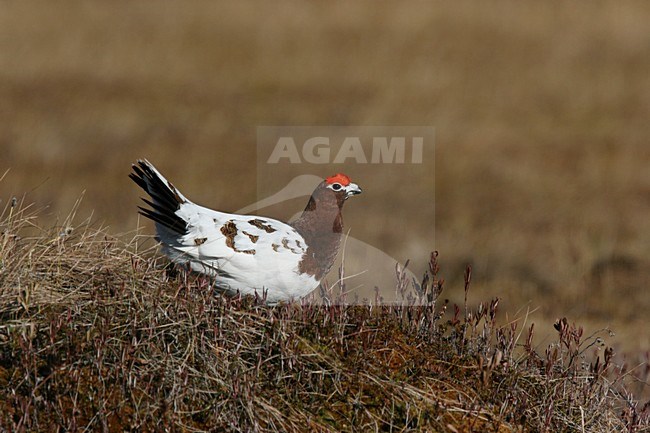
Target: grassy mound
95,335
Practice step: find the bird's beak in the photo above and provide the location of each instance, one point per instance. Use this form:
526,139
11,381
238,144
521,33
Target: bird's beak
352,189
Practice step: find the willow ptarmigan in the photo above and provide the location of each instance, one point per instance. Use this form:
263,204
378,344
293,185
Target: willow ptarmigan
244,253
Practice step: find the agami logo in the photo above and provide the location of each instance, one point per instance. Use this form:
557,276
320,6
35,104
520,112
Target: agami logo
362,150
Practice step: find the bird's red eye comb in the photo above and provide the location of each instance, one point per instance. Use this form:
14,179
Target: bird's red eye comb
340,178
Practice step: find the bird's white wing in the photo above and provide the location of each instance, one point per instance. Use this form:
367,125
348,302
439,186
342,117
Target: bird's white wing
242,252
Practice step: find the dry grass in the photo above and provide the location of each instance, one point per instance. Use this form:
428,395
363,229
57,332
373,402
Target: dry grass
98,336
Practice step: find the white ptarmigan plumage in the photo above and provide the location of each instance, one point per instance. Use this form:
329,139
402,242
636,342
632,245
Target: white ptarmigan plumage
244,253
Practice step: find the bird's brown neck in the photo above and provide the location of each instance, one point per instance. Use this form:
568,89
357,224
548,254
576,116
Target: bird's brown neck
321,225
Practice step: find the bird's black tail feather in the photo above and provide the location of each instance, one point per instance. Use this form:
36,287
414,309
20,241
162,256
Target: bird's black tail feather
165,199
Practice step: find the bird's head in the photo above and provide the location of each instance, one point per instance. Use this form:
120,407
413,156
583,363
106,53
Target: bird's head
342,186
332,192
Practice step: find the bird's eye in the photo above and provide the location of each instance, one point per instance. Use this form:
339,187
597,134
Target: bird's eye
336,186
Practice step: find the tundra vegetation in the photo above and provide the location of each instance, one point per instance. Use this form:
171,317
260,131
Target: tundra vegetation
97,334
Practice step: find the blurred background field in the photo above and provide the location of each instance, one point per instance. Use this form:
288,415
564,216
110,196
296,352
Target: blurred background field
541,111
